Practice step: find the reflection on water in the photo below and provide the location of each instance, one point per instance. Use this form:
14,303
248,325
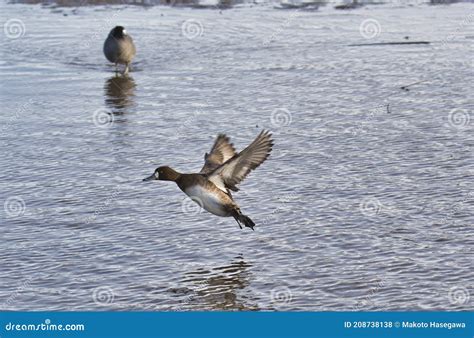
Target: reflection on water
222,288
119,93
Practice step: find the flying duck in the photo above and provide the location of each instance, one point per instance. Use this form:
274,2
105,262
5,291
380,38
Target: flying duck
119,47
223,170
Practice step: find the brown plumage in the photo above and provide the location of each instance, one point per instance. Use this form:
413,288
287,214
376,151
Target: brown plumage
234,170
223,170
221,151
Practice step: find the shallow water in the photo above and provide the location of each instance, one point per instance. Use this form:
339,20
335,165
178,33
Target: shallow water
365,204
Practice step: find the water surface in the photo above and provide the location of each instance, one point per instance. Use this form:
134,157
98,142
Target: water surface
365,204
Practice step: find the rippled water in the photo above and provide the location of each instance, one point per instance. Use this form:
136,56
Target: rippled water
366,202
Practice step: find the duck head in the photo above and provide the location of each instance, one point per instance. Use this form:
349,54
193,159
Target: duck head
163,174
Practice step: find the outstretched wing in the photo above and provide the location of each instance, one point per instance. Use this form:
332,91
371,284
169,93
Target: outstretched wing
233,171
221,151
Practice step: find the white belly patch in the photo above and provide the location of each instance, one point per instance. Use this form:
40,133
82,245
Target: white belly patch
208,200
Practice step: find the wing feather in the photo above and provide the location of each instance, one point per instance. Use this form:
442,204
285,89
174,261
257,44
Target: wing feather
229,174
221,151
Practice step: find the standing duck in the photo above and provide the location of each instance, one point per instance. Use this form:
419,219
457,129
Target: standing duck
223,170
119,47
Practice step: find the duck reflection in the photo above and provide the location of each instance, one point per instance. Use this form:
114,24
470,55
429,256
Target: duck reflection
222,288
119,93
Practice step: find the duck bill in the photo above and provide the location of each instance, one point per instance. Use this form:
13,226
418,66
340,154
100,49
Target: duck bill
150,178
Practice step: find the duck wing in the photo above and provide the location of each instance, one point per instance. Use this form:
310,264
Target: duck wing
221,151
229,174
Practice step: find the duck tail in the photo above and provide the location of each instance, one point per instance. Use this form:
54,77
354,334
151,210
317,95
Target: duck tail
241,218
